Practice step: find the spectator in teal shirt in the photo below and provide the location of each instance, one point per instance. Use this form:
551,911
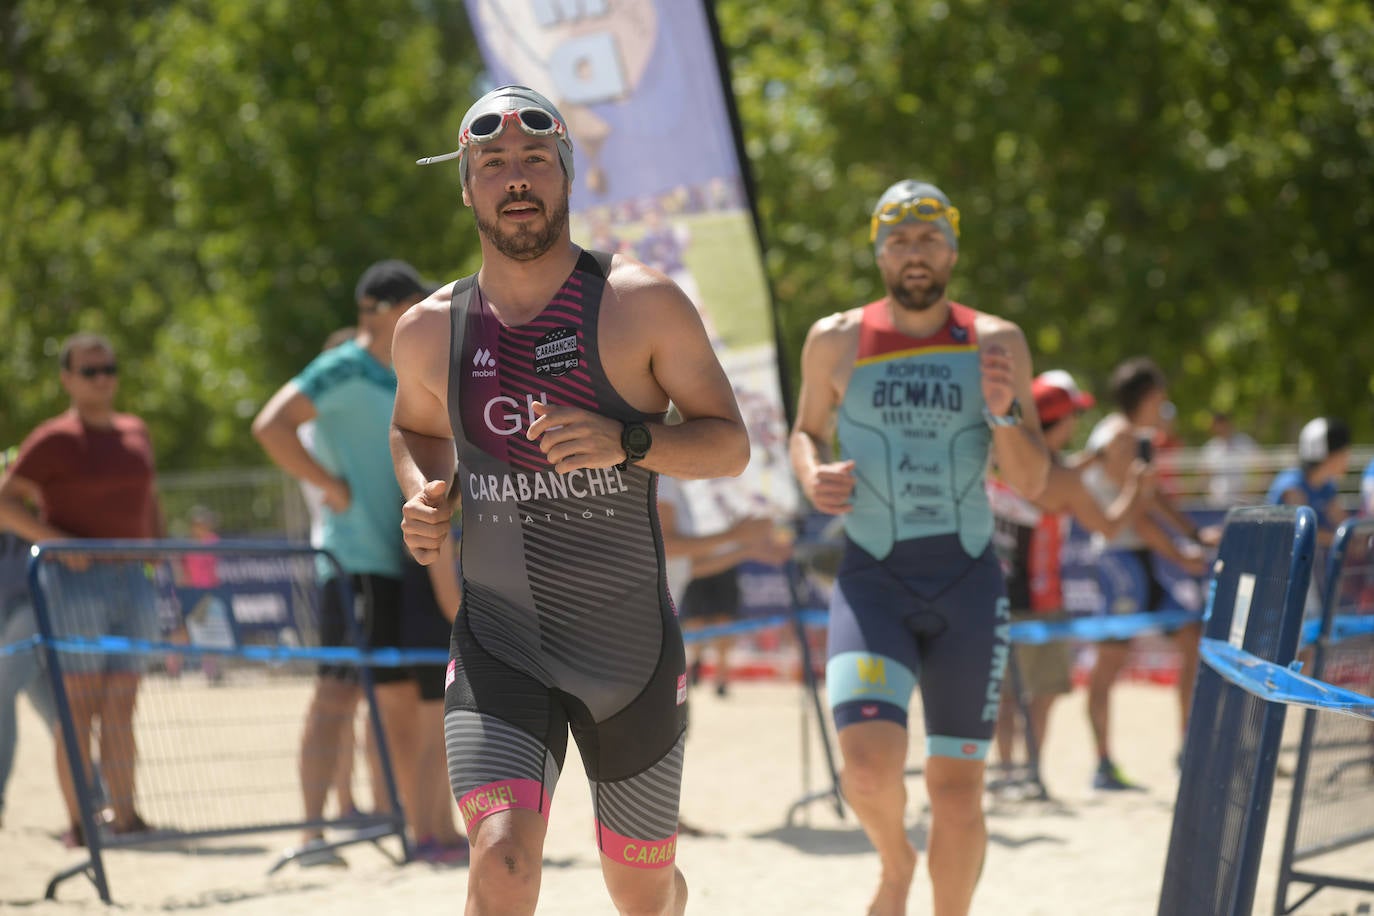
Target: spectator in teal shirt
348,393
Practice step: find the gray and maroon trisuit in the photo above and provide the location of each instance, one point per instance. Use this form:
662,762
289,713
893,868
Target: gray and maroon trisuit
566,620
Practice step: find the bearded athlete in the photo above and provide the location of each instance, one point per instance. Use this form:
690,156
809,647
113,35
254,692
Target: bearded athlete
918,390
549,372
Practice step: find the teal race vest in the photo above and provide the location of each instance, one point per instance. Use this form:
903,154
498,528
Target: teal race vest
912,420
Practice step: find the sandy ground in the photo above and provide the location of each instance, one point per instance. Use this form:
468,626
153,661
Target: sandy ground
1083,853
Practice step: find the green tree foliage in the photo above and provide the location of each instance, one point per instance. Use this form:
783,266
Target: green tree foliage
1191,180
203,180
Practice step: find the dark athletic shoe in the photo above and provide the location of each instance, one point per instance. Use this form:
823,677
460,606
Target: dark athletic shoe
1109,778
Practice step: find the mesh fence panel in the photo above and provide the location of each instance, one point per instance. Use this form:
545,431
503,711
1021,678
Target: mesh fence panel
1333,792
217,649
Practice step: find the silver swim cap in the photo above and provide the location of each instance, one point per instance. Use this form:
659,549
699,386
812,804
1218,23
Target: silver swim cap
489,116
913,201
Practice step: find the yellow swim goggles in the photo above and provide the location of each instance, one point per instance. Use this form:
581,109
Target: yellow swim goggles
926,209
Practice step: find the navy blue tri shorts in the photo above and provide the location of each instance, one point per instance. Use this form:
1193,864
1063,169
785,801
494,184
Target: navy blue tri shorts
927,614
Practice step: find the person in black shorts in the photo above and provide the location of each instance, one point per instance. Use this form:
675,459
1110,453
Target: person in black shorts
347,391
551,370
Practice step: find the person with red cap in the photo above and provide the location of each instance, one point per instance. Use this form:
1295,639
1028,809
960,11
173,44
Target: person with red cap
1029,536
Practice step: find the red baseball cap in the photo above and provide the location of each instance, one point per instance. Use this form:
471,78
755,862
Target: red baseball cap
1057,396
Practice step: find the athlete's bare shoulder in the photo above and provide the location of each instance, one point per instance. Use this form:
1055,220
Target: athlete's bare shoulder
645,302
996,329
833,340
428,314
828,354
421,339
443,294
837,329
636,283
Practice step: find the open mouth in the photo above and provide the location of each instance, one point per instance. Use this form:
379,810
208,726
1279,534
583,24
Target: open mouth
520,210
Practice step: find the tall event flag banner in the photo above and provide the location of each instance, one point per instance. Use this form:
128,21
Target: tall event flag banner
659,178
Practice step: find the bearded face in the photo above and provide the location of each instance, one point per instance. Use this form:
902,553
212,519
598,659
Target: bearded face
916,262
522,227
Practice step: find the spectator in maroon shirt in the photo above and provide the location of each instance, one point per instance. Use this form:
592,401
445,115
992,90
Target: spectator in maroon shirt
89,473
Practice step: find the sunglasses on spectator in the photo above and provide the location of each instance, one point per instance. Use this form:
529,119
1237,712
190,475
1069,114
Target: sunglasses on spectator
926,209
536,122
111,370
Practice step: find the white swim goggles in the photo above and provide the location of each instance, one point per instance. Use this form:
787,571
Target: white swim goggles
536,122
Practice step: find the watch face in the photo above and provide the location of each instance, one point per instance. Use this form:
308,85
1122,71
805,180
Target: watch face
637,439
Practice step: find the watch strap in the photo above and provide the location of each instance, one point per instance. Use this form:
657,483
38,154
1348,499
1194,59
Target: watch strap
1011,418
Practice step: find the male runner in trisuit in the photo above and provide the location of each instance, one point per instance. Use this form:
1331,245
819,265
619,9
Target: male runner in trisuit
918,388
552,369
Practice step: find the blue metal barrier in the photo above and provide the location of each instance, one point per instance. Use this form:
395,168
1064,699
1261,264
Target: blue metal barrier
1333,783
1282,685
100,606
1263,569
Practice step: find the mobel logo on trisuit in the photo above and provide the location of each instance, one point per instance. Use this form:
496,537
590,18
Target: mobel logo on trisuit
485,364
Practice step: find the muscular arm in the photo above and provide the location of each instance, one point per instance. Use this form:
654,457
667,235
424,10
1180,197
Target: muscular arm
275,427
827,483
422,448
711,441
1022,456
421,435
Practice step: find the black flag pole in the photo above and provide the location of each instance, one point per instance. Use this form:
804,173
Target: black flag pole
809,681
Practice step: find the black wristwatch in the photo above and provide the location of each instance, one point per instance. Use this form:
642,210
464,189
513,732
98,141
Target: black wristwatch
635,440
